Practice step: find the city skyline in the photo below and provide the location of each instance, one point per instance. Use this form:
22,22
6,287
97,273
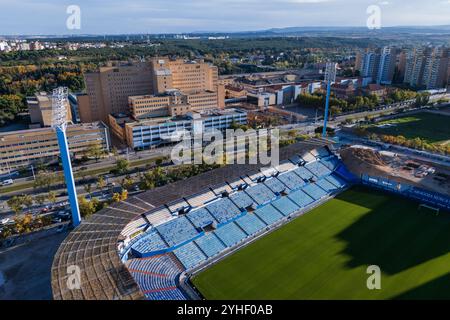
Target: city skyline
48,17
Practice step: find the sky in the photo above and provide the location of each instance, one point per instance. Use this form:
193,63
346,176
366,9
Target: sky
19,17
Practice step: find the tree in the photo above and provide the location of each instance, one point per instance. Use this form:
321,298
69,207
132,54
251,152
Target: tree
95,151
101,183
116,197
122,166
88,208
45,179
51,196
17,203
40,199
88,189
127,183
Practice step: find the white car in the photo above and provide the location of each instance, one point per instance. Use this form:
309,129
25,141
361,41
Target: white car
7,182
6,221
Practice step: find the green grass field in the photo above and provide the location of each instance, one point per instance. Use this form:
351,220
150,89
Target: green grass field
325,254
434,128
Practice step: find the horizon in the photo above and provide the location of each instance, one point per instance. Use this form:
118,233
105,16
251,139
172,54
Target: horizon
48,17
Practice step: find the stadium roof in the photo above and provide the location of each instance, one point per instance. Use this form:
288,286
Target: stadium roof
92,246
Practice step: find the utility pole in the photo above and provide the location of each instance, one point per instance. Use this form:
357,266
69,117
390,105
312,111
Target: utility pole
330,76
59,124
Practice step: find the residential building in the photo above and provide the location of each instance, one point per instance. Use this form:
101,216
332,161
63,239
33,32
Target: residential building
378,65
427,68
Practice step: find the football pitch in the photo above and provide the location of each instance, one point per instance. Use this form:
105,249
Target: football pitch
433,128
325,253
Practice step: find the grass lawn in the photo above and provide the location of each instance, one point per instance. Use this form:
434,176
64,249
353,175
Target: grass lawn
432,127
325,254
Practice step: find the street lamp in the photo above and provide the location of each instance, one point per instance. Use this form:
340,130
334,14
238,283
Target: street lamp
59,124
330,76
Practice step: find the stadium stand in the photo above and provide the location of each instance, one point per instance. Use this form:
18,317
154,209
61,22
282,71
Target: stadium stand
318,169
291,180
176,206
300,198
157,277
223,210
201,198
326,185
230,234
303,173
235,184
260,193
268,214
210,244
250,223
158,216
133,227
151,241
269,172
275,185
335,180
200,218
308,157
222,189
314,191
285,166
241,200
177,231
285,206
331,163
94,245
189,255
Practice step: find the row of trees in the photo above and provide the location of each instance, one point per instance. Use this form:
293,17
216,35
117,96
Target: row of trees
416,143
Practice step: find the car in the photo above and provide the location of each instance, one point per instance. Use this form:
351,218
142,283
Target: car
7,221
7,182
56,220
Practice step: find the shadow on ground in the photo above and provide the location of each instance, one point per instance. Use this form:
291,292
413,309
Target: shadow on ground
439,287
395,235
25,270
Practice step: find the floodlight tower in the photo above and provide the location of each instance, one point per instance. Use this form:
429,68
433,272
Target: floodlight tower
330,77
59,124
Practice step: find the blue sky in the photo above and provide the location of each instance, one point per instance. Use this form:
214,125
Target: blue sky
168,16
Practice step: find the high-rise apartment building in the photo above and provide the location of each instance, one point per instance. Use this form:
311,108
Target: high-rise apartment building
109,89
378,65
427,67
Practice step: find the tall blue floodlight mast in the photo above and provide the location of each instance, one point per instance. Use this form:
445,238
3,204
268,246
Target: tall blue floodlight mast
330,77
59,123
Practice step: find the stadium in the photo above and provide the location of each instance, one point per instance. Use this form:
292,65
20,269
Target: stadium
237,231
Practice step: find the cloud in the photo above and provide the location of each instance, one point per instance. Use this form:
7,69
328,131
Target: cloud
133,16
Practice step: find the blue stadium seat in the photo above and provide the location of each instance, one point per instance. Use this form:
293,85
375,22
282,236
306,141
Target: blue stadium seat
177,231
223,209
338,182
200,218
157,277
189,255
291,180
318,169
260,193
275,185
326,185
300,198
230,234
241,199
250,223
151,241
304,173
268,214
314,191
210,244
285,206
